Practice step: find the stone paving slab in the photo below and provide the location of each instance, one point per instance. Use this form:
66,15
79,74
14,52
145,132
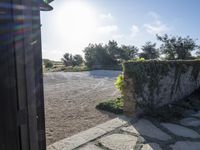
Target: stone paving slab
145,127
78,139
113,124
197,114
90,147
186,145
109,136
88,135
118,142
51,147
193,122
151,146
180,130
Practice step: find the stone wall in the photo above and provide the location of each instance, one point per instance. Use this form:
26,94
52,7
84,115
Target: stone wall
151,84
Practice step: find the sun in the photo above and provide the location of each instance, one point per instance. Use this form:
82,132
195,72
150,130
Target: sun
75,21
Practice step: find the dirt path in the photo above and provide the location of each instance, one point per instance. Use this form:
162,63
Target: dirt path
70,100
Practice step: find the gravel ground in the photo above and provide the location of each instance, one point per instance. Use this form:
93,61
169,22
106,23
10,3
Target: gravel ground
70,100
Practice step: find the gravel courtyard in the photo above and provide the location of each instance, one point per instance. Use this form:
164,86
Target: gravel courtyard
70,100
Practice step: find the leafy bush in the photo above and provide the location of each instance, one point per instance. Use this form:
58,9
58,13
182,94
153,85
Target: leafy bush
119,83
48,64
114,106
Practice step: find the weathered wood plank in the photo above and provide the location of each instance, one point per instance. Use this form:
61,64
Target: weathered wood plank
9,138
22,124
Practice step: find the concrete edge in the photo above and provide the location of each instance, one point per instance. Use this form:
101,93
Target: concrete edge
91,134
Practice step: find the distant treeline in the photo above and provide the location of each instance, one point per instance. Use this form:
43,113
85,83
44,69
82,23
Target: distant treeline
112,55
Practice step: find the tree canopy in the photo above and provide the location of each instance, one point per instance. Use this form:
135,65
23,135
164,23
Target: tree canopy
97,55
111,54
70,60
176,47
149,51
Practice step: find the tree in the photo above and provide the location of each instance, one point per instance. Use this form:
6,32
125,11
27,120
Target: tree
70,60
77,60
129,52
96,55
177,47
48,63
149,51
67,59
114,51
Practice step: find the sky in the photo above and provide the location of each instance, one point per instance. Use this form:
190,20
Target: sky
73,24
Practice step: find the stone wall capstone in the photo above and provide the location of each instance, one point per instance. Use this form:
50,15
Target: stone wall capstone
152,84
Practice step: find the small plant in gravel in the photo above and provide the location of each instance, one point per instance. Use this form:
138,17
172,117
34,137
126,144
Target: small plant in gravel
114,106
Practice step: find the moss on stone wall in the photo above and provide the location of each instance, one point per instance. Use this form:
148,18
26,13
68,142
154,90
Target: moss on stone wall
149,73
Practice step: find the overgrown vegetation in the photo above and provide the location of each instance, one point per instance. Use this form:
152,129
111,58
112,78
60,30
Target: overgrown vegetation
151,72
114,106
119,83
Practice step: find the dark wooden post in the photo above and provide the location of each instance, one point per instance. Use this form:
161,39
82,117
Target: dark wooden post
22,124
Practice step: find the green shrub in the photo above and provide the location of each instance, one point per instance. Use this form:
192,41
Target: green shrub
119,83
114,106
48,64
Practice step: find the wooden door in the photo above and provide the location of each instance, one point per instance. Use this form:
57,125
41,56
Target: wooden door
22,123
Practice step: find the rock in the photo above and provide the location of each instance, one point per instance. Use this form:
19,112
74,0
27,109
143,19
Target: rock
119,142
197,114
145,127
186,145
180,130
50,148
130,129
151,146
190,122
78,139
90,147
113,124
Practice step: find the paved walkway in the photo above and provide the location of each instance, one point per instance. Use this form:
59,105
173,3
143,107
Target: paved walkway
137,134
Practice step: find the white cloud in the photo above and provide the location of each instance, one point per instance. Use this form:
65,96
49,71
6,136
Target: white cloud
154,15
134,30
107,29
156,27
108,16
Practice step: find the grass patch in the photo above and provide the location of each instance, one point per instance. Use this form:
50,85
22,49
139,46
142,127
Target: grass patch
114,106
